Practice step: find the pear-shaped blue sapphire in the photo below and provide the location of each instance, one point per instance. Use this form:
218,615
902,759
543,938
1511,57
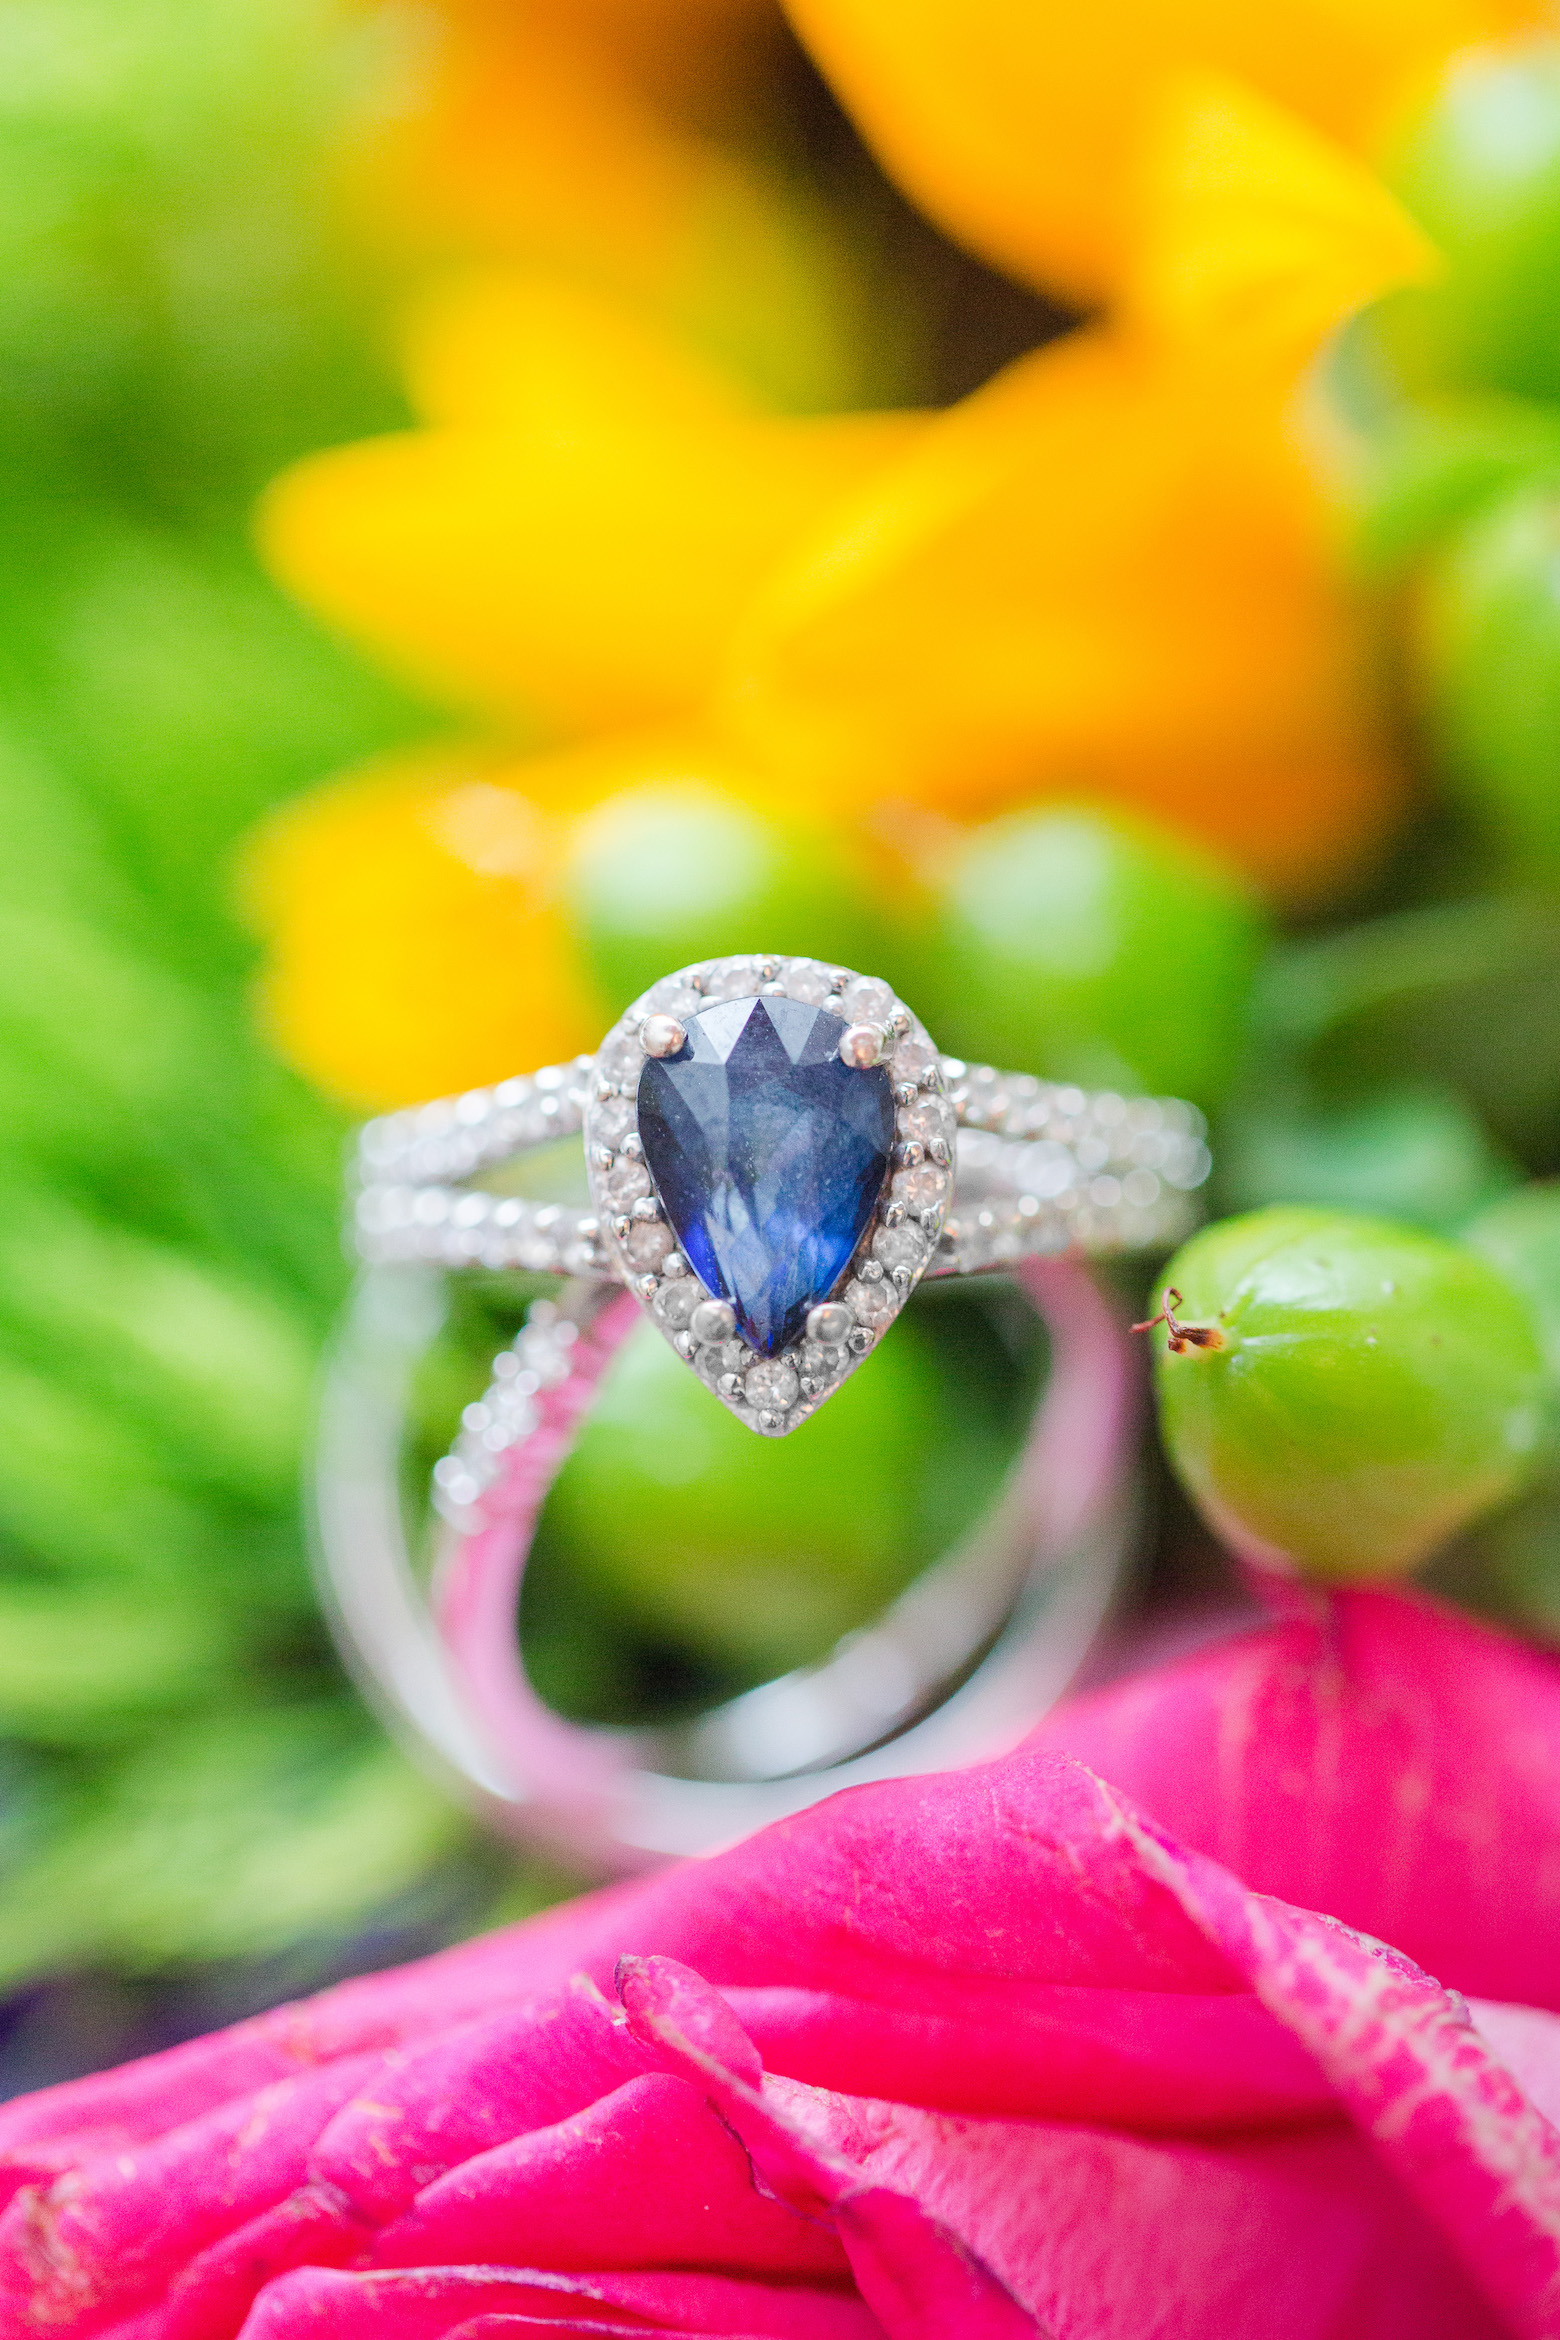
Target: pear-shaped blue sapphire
769,1155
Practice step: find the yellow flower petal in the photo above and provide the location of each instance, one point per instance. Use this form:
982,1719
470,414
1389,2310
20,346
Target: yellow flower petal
1099,575
1254,233
1017,123
573,545
415,943
622,142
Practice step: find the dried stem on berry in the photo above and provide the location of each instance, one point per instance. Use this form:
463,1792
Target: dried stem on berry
1182,1336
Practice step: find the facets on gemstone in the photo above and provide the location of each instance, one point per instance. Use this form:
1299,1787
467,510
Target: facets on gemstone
648,1243
676,1302
871,1304
772,1384
866,1001
768,1155
627,1183
923,1187
899,1247
914,1059
931,1118
722,1357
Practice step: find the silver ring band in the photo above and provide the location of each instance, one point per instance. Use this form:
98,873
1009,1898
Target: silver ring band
1042,1167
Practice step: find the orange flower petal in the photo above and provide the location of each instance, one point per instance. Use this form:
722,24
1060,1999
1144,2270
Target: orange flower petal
1017,123
573,545
1098,575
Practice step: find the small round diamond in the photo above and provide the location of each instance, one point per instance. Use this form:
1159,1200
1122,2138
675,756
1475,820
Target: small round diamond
927,1119
810,984
723,1358
672,996
871,1304
772,1384
621,1057
611,1121
628,1183
647,1243
922,1188
738,979
914,1059
675,1303
899,1247
867,1001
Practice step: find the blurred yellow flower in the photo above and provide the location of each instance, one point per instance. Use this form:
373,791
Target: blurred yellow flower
1106,572
415,940
566,544
1018,124
1109,569
628,145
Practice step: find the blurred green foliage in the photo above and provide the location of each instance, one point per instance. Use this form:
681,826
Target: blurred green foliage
187,1777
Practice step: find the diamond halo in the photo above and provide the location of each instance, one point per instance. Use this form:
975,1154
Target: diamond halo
775,1394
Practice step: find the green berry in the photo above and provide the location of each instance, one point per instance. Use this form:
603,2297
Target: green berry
1479,167
666,874
754,1554
1485,645
1090,948
1346,1393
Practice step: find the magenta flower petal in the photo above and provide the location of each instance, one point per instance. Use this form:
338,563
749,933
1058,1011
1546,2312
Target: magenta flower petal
1405,2059
1177,2061
109,2237
435,2303
1373,1754
312,2228
648,2177
920,2280
487,2082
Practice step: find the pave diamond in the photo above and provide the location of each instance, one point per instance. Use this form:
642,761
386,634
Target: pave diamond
769,1155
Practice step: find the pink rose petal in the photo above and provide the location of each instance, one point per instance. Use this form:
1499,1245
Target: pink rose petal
647,2177
434,2304
919,2279
1370,1753
109,2237
487,2082
1156,2060
1405,2059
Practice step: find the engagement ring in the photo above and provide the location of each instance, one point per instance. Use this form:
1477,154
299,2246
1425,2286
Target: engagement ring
777,1154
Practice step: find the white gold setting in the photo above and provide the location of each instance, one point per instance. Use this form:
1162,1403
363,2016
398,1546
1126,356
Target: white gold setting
989,1169
774,1395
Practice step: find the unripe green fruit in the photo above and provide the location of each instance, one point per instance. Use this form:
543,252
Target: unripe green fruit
757,1554
1479,168
1486,647
1363,1389
663,875
1092,948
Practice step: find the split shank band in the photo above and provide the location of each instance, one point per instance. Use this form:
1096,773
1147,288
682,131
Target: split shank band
905,1161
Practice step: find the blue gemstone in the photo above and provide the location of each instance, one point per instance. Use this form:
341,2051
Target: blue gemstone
769,1155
